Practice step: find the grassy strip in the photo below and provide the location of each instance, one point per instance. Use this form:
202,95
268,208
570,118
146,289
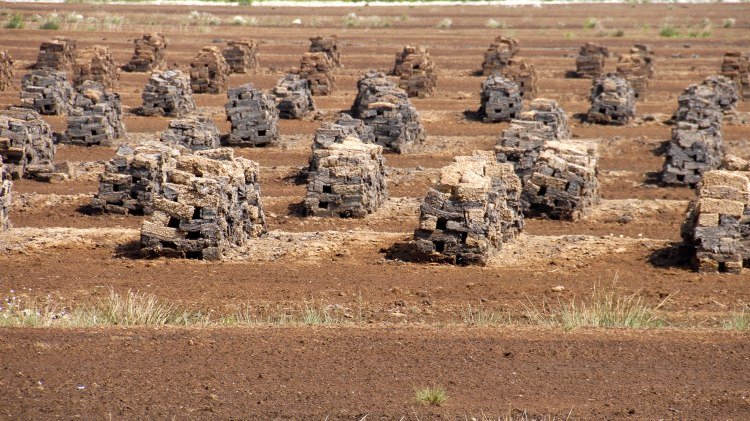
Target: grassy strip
607,307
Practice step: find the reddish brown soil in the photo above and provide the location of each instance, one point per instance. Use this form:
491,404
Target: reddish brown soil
349,372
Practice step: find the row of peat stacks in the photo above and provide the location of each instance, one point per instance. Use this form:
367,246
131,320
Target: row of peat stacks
736,66
696,145
418,76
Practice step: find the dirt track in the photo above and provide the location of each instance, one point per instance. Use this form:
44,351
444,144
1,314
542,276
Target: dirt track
57,250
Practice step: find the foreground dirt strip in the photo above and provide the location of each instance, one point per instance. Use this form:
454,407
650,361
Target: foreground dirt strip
347,373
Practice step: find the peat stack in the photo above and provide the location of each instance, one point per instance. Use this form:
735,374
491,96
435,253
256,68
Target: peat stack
149,54
317,69
736,66
6,187
612,100
25,142
253,115
209,72
59,53
47,91
210,204
500,99
96,64
96,118
167,94
241,55
348,179
471,212
417,71
194,132
498,56
563,182
6,72
549,113
293,97
387,109
524,75
328,45
590,60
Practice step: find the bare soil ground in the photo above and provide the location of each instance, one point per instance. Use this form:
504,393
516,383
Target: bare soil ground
56,249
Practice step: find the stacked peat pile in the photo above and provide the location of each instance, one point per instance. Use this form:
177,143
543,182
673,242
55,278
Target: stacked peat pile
241,55
167,94
736,66
498,55
590,60
633,68
647,54
471,212
317,69
149,54
96,64
329,46
195,132
47,91
343,128
696,145
253,115
6,71
209,72
716,226
59,53
524,75
6,186
549,113
293,97
348,179
612,100
210,203
726,92
134,177
500,99
25,142
417,71
386,108
521,143
95,118
563,182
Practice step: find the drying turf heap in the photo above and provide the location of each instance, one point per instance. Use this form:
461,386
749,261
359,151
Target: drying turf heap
524,75
498,55
417,71
134,177
549,113
471,212
501,99
590,60
344,127
293,97
647,54
209,204
726,92
47,91
209,72
241,55
717,226
521,143
59,53
149,54
736,66
329,46
253,115
386,108
6,186
633,68
96,64
25,143
167,94
195,132
696,145
348,179
563,182
6,71
317,69
95,118
612,100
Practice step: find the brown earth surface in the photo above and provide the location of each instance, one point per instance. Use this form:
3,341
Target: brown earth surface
59,251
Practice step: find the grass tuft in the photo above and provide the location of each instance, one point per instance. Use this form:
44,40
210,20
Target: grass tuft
591,23
479,316
495,24
445,23
431,396
15,22
669,31
607,307
739,320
